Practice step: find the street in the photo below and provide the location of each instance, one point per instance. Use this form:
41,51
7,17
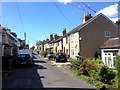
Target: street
42,75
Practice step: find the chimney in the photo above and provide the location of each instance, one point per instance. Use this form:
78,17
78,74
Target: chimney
86,17
51,37
47,39
55,36
63,31
14,34
8,30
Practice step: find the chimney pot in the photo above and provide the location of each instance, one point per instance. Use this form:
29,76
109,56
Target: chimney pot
63,31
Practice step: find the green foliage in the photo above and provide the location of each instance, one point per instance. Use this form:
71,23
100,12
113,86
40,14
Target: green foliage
75,72
94,74
117,67
33,47
71,59
75,64
106,74
44,53
91,81
88,65
85,66
93,71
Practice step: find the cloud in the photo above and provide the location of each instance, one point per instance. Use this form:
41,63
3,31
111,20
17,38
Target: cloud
111,12
65,1
114,19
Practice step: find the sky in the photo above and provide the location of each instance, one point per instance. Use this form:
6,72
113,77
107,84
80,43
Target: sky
40,19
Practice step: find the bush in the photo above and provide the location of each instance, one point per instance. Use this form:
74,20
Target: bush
94,74
117,67
106,74
75,64
88,65
91,81
44,53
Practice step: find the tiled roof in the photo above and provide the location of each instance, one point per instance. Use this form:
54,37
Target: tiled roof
111,43
79,27
83,24
59,38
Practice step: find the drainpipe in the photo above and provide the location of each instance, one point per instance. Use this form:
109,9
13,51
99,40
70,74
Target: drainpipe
80,39
69,44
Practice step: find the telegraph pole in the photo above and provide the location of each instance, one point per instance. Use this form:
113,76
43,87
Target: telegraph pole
25,38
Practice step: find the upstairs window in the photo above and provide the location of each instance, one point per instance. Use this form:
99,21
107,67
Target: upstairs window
72,51
72,38
66,40
107,34
58,43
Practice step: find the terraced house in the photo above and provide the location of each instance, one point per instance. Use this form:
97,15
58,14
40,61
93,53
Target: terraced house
10,43
87,37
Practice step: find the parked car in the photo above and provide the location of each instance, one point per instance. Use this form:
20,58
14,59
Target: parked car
60,57
24,59
50,55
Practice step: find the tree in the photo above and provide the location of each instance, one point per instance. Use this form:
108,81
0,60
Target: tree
27,46
33,47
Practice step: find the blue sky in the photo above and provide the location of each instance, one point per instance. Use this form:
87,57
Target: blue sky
40,19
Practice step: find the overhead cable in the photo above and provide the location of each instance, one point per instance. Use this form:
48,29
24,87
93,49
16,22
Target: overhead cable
63,14
19,13
87,6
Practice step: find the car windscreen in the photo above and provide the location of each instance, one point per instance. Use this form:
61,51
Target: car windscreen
50,53
23,56
60,54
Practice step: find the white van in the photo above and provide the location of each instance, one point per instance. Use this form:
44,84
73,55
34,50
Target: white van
26,51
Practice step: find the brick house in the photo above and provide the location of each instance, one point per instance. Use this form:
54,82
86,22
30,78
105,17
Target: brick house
87,37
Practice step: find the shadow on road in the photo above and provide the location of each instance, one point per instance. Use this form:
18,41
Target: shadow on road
39,67
34,57
23,77
38,61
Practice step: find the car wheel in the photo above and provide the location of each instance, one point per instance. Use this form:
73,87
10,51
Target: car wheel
30,65
49,58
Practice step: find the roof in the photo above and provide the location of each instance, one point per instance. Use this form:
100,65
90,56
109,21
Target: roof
79,27
59,38
111,43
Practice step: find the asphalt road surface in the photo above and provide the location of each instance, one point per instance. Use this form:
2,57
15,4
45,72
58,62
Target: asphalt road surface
42,75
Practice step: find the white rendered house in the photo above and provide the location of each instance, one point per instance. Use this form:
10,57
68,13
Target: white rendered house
109,50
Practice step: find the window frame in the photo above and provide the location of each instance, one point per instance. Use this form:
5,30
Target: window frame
107,34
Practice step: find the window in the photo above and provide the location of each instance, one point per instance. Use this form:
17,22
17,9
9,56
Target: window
109,60
72,51
67,51
114,53
72,38
66,40
107,33
106,60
